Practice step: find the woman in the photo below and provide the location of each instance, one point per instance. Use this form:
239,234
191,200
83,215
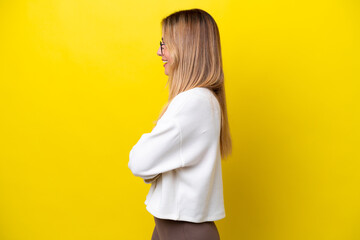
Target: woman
181,156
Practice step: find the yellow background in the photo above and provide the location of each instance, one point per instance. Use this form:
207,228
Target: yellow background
81,81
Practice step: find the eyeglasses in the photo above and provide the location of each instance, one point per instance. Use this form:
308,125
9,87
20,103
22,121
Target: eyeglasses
161,48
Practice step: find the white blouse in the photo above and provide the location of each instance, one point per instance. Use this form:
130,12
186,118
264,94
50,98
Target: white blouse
181,159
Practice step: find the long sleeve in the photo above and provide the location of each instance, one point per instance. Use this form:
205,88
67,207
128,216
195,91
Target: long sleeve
180,139
157,151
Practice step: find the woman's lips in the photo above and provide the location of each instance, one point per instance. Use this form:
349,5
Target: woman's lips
165,64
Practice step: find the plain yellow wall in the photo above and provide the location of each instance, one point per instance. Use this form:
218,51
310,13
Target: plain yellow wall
81,81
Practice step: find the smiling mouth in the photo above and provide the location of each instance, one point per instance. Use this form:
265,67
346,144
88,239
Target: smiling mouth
165,62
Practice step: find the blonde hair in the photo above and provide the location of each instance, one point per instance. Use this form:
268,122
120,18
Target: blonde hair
193,41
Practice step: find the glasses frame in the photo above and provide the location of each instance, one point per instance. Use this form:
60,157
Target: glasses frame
161,48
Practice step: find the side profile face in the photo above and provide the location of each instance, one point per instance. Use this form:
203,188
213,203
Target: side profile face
165,56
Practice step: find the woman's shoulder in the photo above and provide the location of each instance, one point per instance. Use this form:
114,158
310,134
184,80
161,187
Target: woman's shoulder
197,100
199,91
194,93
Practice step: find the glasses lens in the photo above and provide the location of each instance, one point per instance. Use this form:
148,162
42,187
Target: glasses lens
161,47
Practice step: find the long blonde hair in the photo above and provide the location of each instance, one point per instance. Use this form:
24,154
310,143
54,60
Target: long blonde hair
193,41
